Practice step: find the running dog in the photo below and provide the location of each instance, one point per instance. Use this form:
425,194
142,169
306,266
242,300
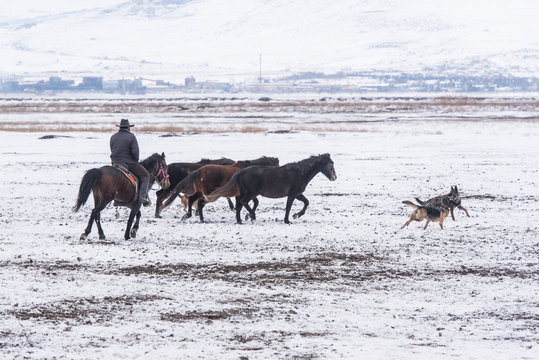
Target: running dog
450,201
431,213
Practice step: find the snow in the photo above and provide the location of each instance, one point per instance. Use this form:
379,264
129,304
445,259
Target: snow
343,281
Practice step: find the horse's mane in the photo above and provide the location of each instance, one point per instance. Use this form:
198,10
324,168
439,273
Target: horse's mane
150,160
306,164
221,161
264,160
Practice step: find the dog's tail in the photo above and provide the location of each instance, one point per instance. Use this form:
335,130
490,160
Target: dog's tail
419,201
409,203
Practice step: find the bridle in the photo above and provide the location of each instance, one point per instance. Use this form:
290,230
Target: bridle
161,171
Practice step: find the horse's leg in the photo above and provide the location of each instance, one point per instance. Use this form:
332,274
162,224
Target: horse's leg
189,213
95,216
161,194
200,206
88,229
239,205
98,224
251,211
230,205
289,202
301,197
130,221
135,227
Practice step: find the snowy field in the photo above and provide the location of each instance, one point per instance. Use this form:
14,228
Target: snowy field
342,282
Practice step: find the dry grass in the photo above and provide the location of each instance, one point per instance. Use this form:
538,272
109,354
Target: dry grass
444,103
191,114
171,129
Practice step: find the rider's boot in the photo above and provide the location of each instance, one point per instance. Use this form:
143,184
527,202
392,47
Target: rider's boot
143,194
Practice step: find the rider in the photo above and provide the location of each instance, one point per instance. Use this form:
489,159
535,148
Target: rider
124,150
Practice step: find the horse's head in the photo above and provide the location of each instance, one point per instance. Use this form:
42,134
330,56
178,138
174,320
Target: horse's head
160,171
327,167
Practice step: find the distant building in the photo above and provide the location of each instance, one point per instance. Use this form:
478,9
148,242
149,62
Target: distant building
10,86
190,82
91,83
56,83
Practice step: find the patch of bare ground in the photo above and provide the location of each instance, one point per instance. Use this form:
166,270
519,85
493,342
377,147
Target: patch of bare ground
323,267
531,318
211,315
254,341
91,310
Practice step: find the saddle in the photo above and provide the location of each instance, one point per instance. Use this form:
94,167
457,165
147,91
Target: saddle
129,175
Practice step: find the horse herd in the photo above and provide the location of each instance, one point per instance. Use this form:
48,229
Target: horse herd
200,183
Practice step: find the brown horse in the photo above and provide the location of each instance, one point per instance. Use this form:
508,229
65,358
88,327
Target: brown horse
205,180
178,172
109,183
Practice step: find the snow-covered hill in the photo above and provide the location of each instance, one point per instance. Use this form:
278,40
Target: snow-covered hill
224,40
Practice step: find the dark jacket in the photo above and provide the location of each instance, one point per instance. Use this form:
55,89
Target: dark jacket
124,147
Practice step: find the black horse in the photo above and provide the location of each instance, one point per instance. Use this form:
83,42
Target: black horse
109,183
178,172
275,182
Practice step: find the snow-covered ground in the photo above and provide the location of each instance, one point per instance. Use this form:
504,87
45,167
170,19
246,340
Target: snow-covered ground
343,281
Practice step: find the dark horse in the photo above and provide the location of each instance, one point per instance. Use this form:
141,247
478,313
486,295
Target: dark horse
179,171
275,182
205,180
109,183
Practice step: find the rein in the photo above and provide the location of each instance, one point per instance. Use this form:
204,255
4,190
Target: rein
161,172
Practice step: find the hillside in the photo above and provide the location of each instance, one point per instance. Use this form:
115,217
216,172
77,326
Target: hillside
212,39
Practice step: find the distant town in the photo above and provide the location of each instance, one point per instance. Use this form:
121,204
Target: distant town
308,82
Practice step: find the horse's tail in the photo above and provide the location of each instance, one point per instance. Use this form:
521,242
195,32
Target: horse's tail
89,179
184,185
230,189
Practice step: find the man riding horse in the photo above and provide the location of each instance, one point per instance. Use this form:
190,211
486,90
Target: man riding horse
125,152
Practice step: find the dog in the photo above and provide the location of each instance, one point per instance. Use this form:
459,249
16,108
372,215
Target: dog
185,203
431,213
450,201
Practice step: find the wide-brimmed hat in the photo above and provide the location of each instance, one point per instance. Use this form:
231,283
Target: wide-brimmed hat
124,123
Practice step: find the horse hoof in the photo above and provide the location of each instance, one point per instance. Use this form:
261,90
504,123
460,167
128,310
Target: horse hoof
83,236
157,216
133,234
186,216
